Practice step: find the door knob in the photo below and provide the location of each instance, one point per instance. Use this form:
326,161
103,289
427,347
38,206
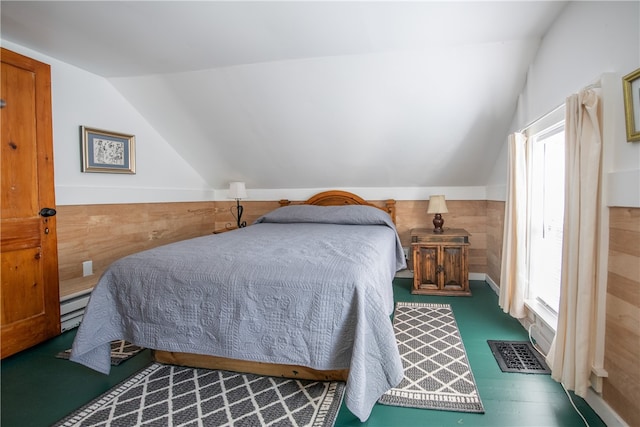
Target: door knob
45,212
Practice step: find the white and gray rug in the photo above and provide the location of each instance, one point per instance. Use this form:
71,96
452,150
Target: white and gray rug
436,368
166,395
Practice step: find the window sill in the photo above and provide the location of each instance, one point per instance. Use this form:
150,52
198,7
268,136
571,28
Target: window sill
549,318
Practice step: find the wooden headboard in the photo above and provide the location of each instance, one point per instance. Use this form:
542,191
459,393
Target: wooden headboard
338,198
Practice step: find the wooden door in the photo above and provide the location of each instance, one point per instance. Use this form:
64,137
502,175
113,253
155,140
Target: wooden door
29,295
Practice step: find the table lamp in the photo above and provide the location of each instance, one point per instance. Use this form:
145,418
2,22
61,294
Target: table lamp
437,206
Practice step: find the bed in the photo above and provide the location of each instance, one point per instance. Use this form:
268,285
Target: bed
303,292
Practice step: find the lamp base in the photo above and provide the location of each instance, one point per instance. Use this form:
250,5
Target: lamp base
239,210
438,222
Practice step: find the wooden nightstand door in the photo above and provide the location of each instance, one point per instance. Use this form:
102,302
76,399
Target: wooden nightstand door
453,269
426,269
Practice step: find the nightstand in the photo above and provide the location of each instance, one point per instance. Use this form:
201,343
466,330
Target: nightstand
440,262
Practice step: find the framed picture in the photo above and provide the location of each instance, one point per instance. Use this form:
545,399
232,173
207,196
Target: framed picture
109,152
631,87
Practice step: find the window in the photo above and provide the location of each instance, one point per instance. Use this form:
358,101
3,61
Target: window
546,214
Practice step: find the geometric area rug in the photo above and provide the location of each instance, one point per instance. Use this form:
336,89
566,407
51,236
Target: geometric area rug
121,350
436,369
167,395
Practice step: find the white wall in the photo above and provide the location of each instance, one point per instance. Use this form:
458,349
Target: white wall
589,41
82,98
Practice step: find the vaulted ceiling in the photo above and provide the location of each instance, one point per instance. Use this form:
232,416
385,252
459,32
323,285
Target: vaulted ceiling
307,94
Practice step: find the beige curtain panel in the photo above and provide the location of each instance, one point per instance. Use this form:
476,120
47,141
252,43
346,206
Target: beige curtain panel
513,269
572,350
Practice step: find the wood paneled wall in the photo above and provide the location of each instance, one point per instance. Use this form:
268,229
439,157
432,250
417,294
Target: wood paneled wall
105,233
621,390
495,232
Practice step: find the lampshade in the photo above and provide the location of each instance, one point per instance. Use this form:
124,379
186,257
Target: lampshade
237,190
437,205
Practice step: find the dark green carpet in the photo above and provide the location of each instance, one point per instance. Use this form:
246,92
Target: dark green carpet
39,389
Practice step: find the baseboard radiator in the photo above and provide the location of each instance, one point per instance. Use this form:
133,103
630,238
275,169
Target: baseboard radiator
72,309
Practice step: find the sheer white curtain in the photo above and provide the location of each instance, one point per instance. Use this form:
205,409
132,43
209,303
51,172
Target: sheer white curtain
513,271
572,350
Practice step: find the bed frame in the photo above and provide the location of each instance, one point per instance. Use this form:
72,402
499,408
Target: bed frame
326,198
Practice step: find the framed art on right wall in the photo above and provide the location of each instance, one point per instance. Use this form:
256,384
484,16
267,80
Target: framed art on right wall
631,88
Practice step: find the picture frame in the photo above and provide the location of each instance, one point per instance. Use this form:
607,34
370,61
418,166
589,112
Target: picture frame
107,152
631,89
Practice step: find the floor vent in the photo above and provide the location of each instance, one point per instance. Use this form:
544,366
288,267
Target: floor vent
518,356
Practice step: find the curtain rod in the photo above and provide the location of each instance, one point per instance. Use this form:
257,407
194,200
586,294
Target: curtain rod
595,85
531,123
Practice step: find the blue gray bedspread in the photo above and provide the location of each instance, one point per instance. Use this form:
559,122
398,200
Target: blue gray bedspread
304,285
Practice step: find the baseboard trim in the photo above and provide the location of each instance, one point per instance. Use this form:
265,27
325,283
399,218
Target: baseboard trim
493,285
604,411
485,278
